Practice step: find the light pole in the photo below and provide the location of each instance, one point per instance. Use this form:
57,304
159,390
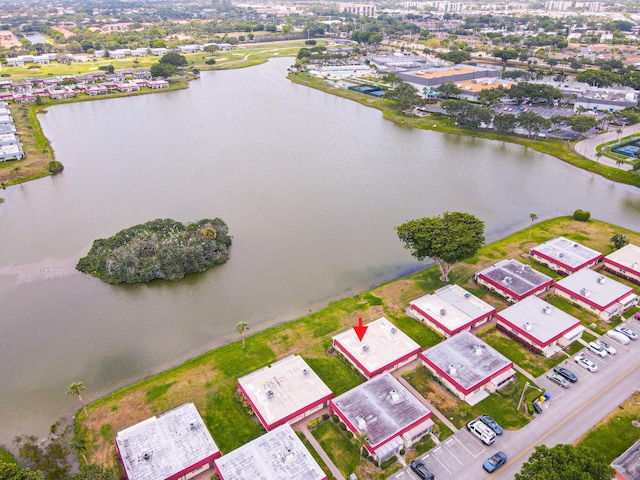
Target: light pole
526,385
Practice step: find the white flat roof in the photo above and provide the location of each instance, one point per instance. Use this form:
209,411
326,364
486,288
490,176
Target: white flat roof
567,252
285,389
594,287
161,446
381,408
276,455
514,276
382,346
628,256
452,306
538,319
466,360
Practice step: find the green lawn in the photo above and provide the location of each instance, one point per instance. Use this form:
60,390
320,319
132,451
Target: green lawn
315,456
336,444
615,433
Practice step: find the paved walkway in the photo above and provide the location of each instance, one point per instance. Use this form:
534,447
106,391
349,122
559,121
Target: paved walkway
587,148
302,427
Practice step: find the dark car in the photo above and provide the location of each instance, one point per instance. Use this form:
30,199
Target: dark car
421,470
494,462
568,374
491,423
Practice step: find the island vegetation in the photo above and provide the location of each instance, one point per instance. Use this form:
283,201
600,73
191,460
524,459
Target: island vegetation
161,248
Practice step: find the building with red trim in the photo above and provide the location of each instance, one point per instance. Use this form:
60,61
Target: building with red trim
285,392
468,367
593,291
390,416
624,263
627,465
514,280
276,455
565,256
173,446
539,326
383,348
450,310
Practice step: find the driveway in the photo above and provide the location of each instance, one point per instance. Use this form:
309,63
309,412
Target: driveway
587,148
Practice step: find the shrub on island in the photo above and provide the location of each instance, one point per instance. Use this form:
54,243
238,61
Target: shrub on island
161,248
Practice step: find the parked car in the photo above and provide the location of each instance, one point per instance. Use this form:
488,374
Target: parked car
607,347
566,373
494,462
586,363
620,337
637,316
492,424
559,379
597,349
421,470
626,331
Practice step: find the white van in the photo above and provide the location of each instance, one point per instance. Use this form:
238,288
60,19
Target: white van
620,337
482,431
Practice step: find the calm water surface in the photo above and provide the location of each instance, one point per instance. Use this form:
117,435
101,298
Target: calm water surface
310,185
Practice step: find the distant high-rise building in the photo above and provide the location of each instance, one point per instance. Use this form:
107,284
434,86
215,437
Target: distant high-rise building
361,9
557,5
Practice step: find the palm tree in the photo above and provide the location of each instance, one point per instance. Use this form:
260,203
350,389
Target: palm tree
74,389
241,327
533,218
79,445
619,162
619,132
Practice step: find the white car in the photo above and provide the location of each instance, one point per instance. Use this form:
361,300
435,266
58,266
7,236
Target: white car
620,337
597,349
607,348
586,363
626,331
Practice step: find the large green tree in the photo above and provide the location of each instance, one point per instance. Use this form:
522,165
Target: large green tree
565,462
532,122
404,96
164,70
175,59
446,239
11,471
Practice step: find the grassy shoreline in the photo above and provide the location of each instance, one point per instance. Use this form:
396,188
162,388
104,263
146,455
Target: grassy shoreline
560,149
210,380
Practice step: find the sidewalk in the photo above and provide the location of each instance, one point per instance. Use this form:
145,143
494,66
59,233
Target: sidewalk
302,427
587,148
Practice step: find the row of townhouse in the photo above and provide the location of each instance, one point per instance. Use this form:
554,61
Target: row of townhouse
10,146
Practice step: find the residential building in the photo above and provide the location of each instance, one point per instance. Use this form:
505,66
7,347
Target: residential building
285,392
450,310
593,291
565,256
360,9
627,465
624,263
513,280
468,367
383,348
539,326
175,445
276,455
386,412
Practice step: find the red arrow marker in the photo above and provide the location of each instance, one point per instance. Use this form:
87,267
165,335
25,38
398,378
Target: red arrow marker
360,329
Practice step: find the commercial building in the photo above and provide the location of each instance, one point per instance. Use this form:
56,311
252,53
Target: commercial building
624,263
513,280
276,455
390,416
564,255
450,310
383,348
173,446
469,367
595,292
285,392
539,326
360,9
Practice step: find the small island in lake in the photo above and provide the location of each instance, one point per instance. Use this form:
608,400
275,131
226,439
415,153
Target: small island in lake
161,248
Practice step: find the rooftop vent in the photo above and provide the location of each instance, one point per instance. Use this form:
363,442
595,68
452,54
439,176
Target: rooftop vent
508,280
305,371
193,426
585,293
634,265
365,348
528,327
269,393
477,349
467,295
361,423
547,310
575,245
443,311
527,268
452,370
393,395
146,456
394,329
561,254
602,280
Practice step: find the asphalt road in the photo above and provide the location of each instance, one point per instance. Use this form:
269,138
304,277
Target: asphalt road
570,413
